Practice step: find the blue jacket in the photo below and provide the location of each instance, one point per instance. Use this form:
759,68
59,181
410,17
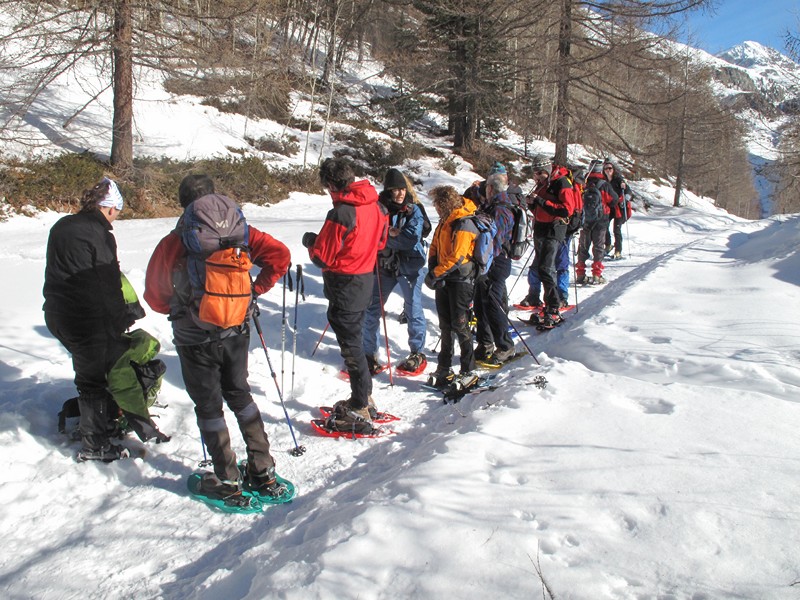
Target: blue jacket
405,253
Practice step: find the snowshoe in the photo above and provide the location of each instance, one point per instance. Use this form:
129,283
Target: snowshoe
439,380
226,496
379,417
415,364
268,487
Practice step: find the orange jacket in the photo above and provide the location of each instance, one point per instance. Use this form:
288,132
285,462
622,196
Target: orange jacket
450,254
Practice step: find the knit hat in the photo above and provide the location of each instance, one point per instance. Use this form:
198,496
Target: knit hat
394,180
542,163
580,175
497,167
597,166
113,197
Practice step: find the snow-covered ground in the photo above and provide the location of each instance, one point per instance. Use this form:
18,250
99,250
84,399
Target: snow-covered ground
661,461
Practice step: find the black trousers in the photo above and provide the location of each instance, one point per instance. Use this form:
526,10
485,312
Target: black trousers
94,348
617,225
546,250
491,306
348,298
452,306
217,371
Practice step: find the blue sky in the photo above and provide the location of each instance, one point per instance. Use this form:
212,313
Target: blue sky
736,21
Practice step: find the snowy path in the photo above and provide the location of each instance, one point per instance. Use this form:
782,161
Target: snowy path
660,462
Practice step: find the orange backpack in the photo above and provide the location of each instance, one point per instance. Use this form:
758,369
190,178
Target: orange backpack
228,288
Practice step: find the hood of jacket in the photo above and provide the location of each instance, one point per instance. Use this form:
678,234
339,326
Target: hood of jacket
358,193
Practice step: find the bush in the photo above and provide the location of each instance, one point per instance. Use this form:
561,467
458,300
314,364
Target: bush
449,165
151,189
287,145
374,156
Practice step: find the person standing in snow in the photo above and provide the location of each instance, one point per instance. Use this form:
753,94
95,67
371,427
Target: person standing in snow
593,233
85,310
620,210
451,273
552,204
402,263
214,359
346,249
495,345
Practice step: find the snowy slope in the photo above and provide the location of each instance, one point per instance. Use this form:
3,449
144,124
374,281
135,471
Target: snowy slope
660,462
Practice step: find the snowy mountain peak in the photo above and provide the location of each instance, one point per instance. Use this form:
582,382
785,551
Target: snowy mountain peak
752,55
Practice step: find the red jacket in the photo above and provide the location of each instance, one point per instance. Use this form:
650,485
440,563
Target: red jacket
558,195
265,251
355,229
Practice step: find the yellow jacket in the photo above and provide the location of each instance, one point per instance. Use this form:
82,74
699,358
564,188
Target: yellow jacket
450,254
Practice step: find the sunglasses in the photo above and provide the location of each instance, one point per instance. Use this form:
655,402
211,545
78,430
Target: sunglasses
609,169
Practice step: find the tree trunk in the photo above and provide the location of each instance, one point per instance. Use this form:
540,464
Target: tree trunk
563,73
122,128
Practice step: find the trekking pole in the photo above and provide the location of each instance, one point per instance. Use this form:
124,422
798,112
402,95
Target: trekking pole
575,272
300,290
319,341
628,238
286,277
527,260
298,450
519,335
385,329
205,462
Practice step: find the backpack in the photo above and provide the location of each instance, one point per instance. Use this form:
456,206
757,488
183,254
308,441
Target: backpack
576,219
215,233
593,210
483,252
426,222
522,232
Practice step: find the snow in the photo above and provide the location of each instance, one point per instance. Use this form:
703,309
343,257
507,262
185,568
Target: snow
661,461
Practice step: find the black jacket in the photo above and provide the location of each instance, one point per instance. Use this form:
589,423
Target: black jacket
82,276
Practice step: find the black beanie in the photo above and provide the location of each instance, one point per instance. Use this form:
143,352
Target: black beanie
394,180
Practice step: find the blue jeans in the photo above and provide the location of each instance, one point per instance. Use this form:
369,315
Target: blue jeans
562,273
411,288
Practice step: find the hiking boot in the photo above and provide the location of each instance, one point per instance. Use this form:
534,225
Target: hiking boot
266,483
413,363
230,492
347,418
375,366
563,304
535,319
483,352
598,280
441,379
608,249
503,355
529,302
617,255
402,318
581,279
552,320
108,453
464,381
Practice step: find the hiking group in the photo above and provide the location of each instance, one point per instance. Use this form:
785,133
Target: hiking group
369,245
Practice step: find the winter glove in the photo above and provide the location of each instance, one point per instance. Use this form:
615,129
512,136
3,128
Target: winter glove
309,238
538,201
432,282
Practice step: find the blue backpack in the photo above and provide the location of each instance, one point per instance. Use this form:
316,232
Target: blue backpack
483,253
